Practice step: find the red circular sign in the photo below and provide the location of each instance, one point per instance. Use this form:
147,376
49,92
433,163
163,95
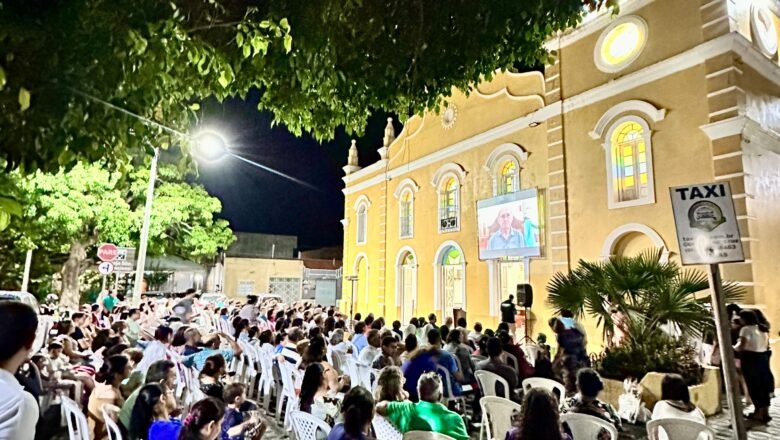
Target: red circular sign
107,252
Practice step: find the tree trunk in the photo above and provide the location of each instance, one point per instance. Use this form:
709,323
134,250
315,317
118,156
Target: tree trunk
70,295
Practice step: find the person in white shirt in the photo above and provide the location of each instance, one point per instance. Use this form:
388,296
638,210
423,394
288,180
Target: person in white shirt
676,401
157,350
369,354
249,311
18,408
752,348
476,334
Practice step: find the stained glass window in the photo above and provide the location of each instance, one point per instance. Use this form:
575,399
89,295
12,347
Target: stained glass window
508,179
448,205
405,214
629,162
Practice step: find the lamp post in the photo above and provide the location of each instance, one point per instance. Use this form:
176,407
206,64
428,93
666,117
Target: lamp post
139,269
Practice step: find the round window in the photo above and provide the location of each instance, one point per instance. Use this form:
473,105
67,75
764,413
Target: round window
620,44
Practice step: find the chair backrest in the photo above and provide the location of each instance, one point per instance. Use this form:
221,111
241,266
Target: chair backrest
425,435
374,378
531,352
548,384
110,414
677,429
446,380
363,375
339,361
511,360
487,382
499,413
350,368
585,427
78,429
384,429
306,425
288,380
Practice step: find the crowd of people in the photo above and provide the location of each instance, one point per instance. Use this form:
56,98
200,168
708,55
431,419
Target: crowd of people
172,369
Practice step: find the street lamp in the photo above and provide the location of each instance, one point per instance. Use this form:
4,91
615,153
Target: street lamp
208,144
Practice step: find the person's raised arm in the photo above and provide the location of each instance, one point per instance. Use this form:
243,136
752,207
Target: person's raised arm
381,408
233,344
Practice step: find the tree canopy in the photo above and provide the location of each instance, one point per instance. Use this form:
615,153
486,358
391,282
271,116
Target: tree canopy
66,214
91,80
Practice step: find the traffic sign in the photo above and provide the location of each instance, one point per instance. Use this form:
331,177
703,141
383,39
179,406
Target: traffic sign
105,268
107,252
707,229
125,260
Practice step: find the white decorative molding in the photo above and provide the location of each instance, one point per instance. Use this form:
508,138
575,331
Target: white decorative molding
601,63
763,28
365,171
406,183
633,106
437,275
449,168
362,199
356,270
724,128
449,116
399,281
344,222
621,231
502,151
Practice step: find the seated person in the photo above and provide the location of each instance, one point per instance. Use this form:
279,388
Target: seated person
676,403
539,418
390,386
390,356
234,427
586,400
357,410
426,360
495,364
426,415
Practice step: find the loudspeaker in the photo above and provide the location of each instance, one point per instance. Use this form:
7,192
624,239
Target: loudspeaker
525,295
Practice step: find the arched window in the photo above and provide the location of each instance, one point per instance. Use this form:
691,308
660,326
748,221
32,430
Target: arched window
449,205
630,164
362,213
508,179
406,214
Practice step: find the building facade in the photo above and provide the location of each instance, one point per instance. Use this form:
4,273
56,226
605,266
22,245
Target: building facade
666,93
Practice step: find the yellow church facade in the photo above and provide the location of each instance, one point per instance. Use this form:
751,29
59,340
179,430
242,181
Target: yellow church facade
666,93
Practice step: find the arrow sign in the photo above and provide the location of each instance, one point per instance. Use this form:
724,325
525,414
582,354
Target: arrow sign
105,268
107,252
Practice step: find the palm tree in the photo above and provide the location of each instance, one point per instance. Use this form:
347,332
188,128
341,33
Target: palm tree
651,294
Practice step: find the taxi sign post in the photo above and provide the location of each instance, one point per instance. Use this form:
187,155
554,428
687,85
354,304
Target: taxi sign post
708,233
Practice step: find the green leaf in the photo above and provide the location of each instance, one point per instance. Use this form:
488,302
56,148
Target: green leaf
24,98
223,79
288,43
5,220
195,106
2,78
10,206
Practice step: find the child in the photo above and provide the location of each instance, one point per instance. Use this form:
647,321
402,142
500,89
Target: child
233,425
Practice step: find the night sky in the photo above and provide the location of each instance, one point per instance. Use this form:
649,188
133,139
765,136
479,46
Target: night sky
255,200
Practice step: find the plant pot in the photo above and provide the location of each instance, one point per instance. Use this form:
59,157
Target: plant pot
705,395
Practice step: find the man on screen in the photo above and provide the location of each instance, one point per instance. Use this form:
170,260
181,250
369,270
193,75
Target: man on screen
506,237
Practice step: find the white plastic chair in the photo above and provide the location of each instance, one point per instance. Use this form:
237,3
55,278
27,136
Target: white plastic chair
363,375
78,429
265,386
512,361
487,382
425,435
585,427
448,394
288,393
110,414
677,429
497,416
384,429
548,384
306,425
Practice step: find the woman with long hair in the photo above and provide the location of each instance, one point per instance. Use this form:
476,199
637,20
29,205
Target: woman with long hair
676,401
315,353
107,390
204,420
390,386
753,351
539,418
210,376
314,388
358,411
150,419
